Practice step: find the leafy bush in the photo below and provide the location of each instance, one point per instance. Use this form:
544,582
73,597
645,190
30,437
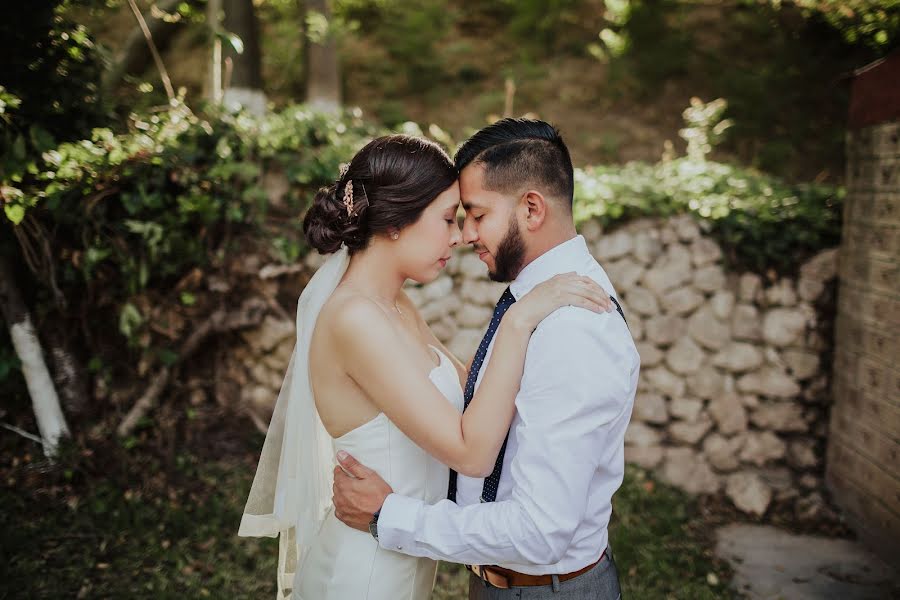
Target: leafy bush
761,221
124,218
48,94
875,23
138,210
53,65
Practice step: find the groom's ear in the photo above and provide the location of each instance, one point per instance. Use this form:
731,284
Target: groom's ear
536,206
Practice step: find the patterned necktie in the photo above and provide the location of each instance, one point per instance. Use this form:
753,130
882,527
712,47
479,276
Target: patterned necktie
506,300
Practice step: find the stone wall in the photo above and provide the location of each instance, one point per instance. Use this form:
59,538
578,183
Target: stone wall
734,388
864,444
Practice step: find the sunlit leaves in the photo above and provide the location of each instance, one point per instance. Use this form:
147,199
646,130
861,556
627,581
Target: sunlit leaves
875,23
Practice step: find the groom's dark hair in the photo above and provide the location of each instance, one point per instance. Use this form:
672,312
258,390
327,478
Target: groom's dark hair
518,154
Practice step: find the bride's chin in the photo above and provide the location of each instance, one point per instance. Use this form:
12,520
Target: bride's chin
426,276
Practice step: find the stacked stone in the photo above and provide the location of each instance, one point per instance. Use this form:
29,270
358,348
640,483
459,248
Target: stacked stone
733,388
259,364
732,384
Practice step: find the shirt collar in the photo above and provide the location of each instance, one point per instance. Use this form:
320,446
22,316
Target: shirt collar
559,259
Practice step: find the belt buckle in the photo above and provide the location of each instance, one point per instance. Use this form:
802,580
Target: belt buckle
482,574
504,580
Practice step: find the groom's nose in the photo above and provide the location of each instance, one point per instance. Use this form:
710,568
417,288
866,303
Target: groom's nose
469,233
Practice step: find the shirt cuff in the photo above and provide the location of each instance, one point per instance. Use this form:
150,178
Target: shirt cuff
397,522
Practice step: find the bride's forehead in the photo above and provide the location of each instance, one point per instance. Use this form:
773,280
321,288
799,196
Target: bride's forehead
448,198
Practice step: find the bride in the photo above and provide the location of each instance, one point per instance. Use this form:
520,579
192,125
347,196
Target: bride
369,377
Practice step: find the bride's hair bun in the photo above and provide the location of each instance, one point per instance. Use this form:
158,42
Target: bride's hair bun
394,178
327,226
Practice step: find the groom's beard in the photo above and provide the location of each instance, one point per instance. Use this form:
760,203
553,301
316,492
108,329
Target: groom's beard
510,254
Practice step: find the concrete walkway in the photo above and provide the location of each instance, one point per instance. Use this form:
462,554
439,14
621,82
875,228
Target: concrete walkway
772,564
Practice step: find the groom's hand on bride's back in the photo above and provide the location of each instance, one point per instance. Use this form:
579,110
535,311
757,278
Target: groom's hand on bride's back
358,492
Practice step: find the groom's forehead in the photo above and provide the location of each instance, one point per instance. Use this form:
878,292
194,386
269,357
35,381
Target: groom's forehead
471,188
472,175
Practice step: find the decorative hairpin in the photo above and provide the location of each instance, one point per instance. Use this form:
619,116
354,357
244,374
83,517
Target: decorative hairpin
349,203
348,196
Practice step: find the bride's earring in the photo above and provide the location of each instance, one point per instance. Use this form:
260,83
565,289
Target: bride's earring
395,236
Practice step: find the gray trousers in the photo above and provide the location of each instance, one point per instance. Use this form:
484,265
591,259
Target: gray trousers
600,583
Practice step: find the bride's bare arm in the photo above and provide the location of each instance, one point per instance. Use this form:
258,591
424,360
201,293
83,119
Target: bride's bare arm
385,368
463,369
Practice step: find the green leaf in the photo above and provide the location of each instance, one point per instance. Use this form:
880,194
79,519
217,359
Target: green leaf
14,212
129,320
168,357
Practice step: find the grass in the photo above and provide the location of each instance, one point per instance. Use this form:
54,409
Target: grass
110,542
141,526
662,546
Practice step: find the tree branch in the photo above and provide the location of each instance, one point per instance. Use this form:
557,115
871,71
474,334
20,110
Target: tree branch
249,315
167,83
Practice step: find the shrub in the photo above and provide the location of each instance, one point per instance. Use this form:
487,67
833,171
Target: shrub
762,222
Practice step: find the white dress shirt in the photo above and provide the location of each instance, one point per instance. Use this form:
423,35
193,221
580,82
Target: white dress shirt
565,455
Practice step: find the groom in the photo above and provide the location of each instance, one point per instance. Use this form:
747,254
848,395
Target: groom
540,520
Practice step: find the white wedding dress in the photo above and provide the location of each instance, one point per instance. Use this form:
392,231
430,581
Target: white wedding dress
347,564
320,558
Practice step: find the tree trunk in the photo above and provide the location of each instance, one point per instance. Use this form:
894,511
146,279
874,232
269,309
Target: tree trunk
323,81
47,411
68,372
214,22
244,87
135,56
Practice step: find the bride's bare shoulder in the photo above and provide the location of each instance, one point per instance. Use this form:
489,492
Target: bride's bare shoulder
348,314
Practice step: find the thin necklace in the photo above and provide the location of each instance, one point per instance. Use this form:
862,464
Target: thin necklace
380,300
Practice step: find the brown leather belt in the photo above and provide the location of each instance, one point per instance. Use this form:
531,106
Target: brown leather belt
507,578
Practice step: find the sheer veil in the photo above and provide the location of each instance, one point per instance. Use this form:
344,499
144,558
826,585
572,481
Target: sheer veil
291,491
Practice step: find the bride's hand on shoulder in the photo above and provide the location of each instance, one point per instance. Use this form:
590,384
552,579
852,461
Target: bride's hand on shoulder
567,289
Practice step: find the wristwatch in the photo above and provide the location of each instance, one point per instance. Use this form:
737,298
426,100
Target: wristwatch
373,524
